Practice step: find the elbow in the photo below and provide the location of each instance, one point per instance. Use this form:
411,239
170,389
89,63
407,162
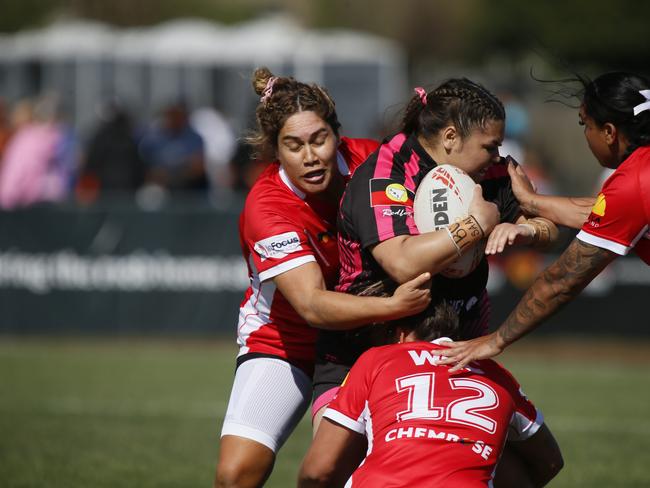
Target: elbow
308,308
549,470
554,467
401,270
314,476
312,317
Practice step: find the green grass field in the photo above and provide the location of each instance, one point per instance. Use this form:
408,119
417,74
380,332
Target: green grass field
147,413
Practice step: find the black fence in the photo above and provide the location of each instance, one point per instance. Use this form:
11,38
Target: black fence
115,268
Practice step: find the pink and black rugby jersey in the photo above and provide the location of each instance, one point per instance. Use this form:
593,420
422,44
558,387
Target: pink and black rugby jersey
425,426
282,229
620,219
378,205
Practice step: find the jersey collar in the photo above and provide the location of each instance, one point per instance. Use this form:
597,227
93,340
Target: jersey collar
440,340
292,187
341,164
425,158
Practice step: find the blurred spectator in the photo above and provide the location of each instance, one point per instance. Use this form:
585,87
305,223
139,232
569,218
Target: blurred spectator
245,167
516,131
220,144
112,160
173,152
40,160
516,144
5,127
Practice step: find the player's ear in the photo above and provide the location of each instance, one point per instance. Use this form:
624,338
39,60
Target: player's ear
610,132
449,137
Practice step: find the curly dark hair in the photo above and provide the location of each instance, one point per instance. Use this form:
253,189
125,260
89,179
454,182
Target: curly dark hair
287,97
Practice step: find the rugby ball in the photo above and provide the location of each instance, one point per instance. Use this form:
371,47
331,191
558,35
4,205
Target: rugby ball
442,197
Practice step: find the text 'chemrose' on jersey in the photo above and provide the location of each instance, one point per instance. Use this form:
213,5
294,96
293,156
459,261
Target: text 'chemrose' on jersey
478,446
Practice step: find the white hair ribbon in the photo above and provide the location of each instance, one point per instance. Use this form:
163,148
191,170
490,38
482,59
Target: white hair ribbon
645,105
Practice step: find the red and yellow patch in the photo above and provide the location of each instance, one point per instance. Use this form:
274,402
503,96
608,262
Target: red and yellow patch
599,206
384,191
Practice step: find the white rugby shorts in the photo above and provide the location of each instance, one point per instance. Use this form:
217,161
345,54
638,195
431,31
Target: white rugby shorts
269,397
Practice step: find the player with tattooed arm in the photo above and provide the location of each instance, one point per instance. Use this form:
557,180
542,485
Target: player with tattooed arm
615,113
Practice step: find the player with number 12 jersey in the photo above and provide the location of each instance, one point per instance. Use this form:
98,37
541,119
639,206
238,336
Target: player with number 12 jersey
426,427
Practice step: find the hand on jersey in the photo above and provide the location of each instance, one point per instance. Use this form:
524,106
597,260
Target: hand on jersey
460,354
413,296
508,234
522,187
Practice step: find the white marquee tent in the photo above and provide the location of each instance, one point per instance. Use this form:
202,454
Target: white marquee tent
202,62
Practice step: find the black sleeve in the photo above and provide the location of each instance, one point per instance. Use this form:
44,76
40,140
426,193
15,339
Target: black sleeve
499,191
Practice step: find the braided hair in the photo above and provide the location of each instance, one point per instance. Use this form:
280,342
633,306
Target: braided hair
283,97
458,101
611,98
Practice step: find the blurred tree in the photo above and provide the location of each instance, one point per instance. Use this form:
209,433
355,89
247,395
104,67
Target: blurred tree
599,33
25,13
578,32
20,14
146,12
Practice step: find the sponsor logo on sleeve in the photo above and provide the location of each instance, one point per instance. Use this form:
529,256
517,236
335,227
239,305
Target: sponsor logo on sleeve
599,206
597,211
387,192
279,246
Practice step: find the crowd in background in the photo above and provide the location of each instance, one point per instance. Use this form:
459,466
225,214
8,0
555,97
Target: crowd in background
44,159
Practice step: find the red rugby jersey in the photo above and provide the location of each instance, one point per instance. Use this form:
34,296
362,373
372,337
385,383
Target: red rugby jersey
426,427
281,229
620,219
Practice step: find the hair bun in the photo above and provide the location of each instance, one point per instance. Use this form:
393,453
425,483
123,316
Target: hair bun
261,77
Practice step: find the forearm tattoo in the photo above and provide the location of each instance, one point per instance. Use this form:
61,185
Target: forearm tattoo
464,233
554,287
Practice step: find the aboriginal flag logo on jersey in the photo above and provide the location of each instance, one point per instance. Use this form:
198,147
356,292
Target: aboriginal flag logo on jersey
384,191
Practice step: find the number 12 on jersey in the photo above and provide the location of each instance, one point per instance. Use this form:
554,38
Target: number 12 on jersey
463,410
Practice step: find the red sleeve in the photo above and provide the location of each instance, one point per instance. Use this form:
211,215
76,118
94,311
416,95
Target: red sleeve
526,419
356,151
617,220
349,407
276,240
